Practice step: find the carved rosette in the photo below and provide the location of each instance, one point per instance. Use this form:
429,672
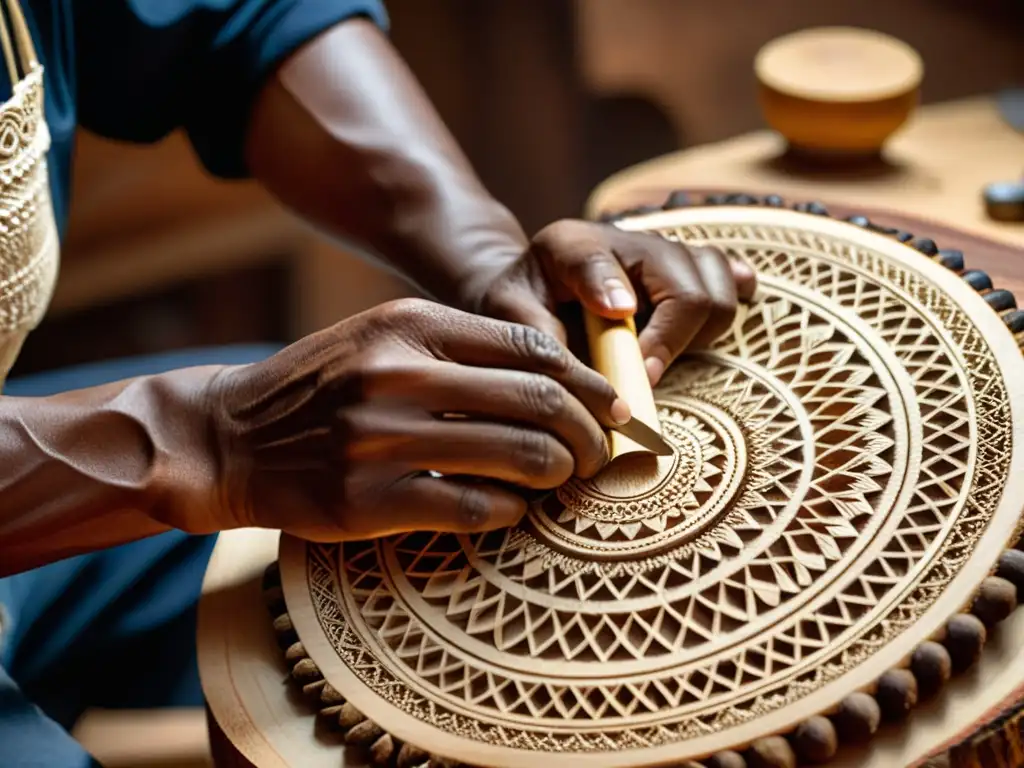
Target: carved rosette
839,457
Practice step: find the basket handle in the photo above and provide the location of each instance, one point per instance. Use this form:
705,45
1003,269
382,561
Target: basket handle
19,50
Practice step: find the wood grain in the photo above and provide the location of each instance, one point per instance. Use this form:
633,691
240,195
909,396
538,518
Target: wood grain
615,353
248,694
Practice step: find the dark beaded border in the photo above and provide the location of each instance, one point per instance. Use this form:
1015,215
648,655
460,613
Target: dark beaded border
334,712
816,740
1002,301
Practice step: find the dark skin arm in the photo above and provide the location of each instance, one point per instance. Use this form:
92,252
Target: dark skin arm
369,159
329,439
103,466
345,136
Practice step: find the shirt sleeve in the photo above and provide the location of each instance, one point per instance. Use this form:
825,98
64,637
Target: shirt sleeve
145,68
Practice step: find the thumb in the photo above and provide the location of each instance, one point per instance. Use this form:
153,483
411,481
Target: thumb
584,268
599,282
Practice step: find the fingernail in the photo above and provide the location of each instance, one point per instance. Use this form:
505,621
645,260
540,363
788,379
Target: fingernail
655,369
620,412
617,296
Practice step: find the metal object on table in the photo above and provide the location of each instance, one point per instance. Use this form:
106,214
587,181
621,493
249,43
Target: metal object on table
1004,201
643,435
1011,107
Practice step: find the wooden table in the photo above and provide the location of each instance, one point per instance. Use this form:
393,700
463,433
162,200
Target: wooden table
935,168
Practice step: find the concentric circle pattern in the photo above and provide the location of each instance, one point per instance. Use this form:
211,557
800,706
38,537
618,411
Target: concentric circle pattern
838,454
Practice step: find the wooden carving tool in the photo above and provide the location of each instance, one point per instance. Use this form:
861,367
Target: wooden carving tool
615,354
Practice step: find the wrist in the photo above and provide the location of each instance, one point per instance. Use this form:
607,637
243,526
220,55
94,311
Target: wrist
448,235
103,466
188,487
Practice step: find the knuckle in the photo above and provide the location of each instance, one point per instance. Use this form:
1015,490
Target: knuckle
377,368
474,509
722,311
375,361
707,252
568,237
408,307
534,454
543,397
402,320
657,246
555,232
698,303
416,318
543,349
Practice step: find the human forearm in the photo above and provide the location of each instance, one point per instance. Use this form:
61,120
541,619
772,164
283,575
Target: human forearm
345,136
104,466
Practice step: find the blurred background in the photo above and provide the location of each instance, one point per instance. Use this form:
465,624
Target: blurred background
547,97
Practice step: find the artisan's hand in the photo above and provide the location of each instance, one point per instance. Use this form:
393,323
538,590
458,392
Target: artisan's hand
345,136
691,292
333,438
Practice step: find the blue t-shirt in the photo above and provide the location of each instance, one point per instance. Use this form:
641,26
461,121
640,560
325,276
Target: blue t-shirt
136,70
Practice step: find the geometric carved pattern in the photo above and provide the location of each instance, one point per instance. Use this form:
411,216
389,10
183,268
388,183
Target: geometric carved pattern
837,455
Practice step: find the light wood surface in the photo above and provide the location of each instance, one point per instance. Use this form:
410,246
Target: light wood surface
693,60
615,353
248,691
249,694
930,174
936,167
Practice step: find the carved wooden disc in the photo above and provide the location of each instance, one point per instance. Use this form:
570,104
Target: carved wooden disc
845,475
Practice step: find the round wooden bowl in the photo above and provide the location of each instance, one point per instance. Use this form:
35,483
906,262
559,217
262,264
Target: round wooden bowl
838,89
